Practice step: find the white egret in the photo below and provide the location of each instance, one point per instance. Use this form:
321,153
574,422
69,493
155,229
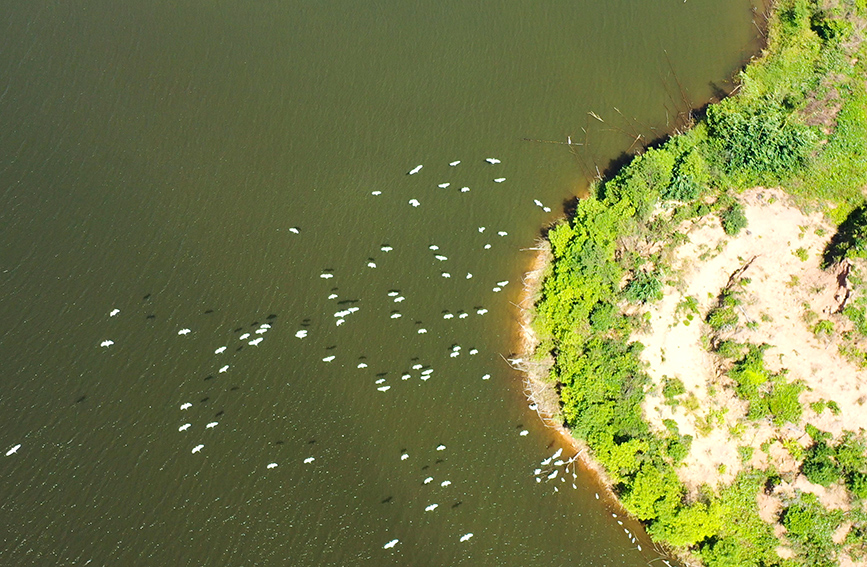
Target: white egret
391,544
431,507
198,448
441,447
486,377
414,202
220,350
106,344
329,358
211,425
114,312
13,450
499,179
244,337
184,332
384,388
271,465
454,163
255,342
465,189
428,480
415,170
524,433
446,275
326,276
187,405
492,161
376,193
224,368
445,483
184,427
443,185
301,334
466,537
309,460
294,230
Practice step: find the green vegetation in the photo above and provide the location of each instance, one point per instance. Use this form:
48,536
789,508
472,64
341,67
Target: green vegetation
769,395
799,119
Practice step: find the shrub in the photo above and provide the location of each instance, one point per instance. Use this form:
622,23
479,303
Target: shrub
645,287
672,387
811,528
760,142
733,219
722,318
820,466
783,402
730,349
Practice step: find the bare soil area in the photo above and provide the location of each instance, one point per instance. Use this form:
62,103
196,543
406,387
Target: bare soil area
786,294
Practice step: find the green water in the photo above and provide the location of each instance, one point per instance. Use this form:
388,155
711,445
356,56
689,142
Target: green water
154,158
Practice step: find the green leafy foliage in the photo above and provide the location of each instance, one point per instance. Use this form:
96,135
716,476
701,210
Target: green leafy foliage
733,219
820,464
645,287
811,528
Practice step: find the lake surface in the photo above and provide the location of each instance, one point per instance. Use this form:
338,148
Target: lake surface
219,166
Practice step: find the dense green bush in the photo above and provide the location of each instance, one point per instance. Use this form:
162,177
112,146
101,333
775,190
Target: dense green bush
643,288
733,219
811,528
820,464
761,144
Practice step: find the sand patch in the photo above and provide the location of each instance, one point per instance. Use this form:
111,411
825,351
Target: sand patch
786,295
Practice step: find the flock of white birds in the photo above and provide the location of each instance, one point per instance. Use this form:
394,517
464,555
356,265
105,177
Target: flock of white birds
551,469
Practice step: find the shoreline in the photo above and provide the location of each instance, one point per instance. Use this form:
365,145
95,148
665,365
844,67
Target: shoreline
724,457
537,388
